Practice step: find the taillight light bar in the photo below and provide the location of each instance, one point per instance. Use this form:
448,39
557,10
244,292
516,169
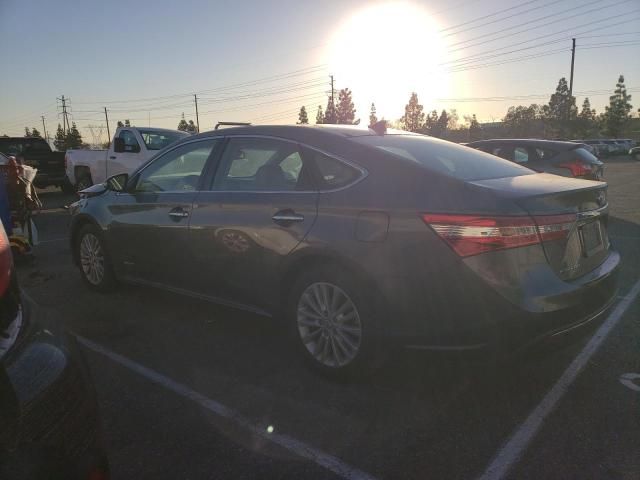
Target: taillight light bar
474,234
577,167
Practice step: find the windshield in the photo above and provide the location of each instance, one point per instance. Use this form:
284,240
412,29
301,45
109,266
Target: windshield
157,140
463,163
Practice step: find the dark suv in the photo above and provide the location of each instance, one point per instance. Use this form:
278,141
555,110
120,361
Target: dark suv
38,154
360,239
569,159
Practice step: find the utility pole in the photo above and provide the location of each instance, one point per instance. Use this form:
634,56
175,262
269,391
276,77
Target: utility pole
332,90
65,117
195,98
44,127
573,57
106,117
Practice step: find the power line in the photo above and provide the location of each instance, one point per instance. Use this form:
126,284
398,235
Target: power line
487,16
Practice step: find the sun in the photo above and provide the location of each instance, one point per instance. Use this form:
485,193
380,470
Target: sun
385,52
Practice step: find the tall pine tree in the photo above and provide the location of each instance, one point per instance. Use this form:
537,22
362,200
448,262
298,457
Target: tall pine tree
60,140
330,114
319,116
618,113
303,119
345,111
373,118
183,126
413,118
74,138
27,132
35,133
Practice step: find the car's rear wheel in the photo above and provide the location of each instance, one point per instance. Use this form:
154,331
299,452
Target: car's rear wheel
93,259
334,322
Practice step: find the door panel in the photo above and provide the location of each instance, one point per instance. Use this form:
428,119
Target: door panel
238,246
261,206
149,229
148,235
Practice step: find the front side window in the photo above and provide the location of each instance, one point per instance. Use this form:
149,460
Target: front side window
178,170
261,164
130,141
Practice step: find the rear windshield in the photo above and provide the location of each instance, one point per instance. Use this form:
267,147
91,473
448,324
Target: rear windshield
157,140
586,156
463,163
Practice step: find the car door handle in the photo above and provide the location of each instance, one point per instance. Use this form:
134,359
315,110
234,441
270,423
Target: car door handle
113,157
287,216
178,213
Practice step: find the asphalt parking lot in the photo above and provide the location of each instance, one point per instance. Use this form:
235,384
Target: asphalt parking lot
190,390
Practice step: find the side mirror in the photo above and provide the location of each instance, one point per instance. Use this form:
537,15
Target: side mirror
117,183
118,145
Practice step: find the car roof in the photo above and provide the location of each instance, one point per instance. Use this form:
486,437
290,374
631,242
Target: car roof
22,138
156,130
531,142
300,133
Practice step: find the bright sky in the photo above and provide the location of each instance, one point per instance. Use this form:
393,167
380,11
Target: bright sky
260,61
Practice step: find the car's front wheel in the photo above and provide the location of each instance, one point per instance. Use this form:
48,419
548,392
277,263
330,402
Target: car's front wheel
93,259
334,322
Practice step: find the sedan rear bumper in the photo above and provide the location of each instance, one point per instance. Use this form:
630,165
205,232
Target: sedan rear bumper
482,318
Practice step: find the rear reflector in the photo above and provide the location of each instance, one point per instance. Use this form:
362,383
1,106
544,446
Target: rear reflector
473,234
578,169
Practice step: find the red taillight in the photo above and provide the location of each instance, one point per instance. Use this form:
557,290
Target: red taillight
473,234
6,261
578,169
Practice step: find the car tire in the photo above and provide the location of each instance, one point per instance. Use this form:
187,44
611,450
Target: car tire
83,182
334,322
94,261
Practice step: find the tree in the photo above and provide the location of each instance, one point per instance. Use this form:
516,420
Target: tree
441,124
561,105
35,133
319,116
453,119
303,119
475,130
586,121
413,118
618,113
60,140
373,118
192,127
183,126
330,114
127,123
120,124
345,111
74,138
524,121
27,133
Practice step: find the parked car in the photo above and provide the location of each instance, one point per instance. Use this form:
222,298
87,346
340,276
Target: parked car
360,239
568,159
49,423
130,148
614,147
599,149
38,154
634,153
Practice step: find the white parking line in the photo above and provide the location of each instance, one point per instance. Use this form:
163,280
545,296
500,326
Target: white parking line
297,447
511,452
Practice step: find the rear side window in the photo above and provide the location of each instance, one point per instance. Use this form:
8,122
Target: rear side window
544,153
520,155
334,173
447,158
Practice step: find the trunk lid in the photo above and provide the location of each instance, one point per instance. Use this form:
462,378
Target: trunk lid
586,243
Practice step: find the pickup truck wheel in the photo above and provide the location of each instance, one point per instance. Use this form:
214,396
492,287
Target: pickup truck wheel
93,259
84,182
67,187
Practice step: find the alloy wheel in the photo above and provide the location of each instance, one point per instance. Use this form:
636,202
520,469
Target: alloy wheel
329,324
92,259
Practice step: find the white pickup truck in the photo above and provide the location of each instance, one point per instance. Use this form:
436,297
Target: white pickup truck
130,148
